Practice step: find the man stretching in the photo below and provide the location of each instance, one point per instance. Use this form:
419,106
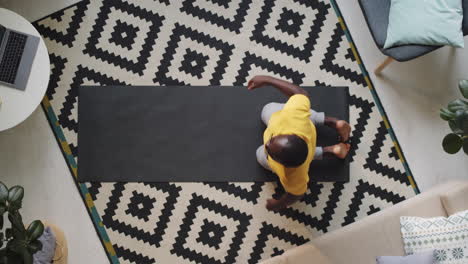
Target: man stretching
290,139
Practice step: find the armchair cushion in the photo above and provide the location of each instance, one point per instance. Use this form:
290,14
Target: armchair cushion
376,13
435,23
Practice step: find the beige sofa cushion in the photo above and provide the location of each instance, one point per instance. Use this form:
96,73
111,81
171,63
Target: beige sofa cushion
379,234
373,236
456,200
376,235
305,254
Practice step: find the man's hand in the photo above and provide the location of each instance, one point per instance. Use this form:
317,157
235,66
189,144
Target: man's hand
287,88
258,81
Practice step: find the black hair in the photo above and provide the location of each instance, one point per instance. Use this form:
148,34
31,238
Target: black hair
293,153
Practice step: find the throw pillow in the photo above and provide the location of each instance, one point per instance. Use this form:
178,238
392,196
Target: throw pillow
447,236
46,254
422,258
425,22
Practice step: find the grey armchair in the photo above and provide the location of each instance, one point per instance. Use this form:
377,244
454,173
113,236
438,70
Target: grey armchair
376,13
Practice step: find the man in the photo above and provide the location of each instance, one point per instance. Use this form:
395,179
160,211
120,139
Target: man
290,139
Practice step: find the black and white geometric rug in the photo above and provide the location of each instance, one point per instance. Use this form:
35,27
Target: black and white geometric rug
200,42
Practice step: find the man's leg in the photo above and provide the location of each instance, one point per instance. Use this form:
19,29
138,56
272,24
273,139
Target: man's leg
318,118
343,128
269,109
318,153
262,157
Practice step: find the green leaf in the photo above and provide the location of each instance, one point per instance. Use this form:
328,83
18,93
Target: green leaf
3,193
452,143
457,104
446,115
35,230
465,145
461,119
454,127
463,85
34,246
15,197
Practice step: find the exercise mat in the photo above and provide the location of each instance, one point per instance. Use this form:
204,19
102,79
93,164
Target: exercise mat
189,133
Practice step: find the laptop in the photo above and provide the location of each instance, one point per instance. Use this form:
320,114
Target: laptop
17,52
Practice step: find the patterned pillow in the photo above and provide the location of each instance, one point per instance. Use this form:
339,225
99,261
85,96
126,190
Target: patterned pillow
448,236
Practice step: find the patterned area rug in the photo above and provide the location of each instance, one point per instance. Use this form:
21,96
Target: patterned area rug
200,42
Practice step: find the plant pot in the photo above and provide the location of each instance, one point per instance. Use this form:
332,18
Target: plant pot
61,247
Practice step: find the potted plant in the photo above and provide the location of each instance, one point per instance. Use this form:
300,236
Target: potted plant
456,114
17,243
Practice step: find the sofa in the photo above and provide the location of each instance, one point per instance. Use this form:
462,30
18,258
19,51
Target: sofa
378,234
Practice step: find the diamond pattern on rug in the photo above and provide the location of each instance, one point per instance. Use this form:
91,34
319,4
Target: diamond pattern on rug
282,26
201,207
240,190
132,256
251,63
140,206
194,63
213,42
273,241
211,234
383,147
361,191
129,210
124,34
362,108
226,14
141,37
347,67
63,26
208,60
57,65
301,211
290,22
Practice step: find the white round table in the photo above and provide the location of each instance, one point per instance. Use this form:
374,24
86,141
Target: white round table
17,105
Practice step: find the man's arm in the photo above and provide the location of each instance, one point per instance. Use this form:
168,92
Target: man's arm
287,88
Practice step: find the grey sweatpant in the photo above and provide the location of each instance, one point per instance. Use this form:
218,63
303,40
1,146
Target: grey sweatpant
268,110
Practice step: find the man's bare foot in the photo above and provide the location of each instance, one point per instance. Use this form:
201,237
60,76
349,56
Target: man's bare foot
274,205
344,130
341,150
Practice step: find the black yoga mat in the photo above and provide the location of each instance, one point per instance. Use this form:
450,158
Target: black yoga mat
188,134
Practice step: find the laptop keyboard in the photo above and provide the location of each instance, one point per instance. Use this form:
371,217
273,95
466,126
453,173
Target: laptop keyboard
12,57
